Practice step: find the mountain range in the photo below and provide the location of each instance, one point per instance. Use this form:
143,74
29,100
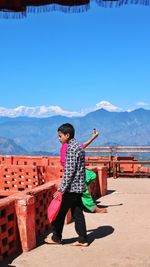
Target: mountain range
33,136
48,111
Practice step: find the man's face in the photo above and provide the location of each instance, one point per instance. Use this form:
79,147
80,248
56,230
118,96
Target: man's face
63,138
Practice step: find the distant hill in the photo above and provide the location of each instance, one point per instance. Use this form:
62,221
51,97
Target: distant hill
8,147
40,134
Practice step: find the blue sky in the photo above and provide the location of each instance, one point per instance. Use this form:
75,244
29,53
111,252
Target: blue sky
75,61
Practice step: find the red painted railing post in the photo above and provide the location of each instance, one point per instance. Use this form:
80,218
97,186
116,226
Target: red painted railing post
25,209
102,176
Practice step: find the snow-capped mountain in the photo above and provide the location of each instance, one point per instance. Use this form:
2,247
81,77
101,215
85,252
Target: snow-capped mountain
48,111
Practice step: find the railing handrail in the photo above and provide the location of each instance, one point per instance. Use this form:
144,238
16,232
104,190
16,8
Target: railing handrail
115,150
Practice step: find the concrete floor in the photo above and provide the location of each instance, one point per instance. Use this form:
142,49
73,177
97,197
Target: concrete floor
120,238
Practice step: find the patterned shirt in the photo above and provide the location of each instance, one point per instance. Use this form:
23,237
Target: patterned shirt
74,172
63,152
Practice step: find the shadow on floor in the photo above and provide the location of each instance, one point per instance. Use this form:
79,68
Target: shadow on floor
7,262
110,192
112,205
106,206
40,238
97,233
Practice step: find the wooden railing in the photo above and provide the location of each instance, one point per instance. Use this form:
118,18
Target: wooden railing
138,168
116,150
121,160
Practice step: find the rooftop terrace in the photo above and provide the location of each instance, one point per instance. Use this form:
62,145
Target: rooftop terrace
120,238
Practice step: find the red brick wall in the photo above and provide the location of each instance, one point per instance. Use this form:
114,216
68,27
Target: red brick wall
9,242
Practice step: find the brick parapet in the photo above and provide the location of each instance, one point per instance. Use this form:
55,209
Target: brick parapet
29,205
9,241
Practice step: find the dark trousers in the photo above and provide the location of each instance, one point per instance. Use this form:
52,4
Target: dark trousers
73,201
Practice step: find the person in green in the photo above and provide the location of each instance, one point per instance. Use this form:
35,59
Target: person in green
87,199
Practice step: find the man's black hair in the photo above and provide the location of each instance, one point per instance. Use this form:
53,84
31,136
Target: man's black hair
67,128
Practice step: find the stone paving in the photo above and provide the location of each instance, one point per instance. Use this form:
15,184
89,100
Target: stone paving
120,238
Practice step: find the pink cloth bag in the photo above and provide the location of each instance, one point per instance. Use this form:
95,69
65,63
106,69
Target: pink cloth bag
54,207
